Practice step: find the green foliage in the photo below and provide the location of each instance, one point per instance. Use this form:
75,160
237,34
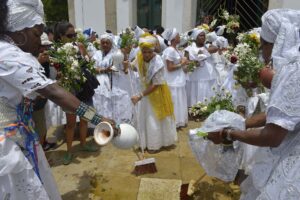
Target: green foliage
221,101
55,11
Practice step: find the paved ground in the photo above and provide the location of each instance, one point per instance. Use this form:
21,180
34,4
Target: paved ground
107,174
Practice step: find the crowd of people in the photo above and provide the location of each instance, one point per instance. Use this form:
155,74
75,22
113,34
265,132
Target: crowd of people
147,78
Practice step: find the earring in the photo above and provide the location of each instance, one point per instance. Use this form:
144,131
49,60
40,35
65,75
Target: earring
25,39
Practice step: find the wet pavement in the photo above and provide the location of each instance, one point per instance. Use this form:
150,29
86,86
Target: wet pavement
107,174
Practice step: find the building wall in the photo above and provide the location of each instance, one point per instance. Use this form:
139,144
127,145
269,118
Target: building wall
116,15
294,4
88,14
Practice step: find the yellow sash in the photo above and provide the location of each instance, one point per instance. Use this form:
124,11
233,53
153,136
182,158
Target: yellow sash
160,99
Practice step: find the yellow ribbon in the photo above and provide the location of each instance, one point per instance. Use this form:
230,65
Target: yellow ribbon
160,99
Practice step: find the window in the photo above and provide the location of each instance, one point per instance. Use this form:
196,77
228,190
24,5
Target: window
149,13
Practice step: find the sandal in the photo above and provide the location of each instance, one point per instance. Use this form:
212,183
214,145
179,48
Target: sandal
67,158
89,148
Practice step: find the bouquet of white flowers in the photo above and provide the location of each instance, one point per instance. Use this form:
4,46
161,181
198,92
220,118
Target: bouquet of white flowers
67,59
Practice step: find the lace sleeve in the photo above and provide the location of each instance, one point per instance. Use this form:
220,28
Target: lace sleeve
27,79
158,78
275,116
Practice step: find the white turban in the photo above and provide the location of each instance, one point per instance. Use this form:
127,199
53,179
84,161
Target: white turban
221,42
281,27
138,32
24,14
108,36
196,32
211,37
170,34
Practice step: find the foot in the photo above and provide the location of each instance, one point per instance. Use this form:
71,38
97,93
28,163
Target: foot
47,146
89,148
67,158
153,151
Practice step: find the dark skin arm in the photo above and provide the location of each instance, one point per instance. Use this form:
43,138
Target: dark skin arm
64,99
256,121
270,136
212,49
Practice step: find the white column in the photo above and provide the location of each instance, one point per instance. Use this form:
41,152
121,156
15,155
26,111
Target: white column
126,14
88,14
179,14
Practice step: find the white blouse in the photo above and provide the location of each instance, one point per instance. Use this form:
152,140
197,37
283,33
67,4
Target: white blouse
20,74
175,78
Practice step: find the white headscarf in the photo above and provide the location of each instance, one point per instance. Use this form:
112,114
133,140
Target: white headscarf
138,32
24,14
221,42
211,37
196,32
170,34
281,27
107,36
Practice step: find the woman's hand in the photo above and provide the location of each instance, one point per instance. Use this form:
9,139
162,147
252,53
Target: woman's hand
135,99
126,65
184,61
113,124
216,137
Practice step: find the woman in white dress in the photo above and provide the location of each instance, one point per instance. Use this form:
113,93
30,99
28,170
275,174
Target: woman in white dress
155,116
24,170
204,78
175,76
277,175
110,99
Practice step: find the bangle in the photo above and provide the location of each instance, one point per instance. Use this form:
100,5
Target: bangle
88,113
226,134
141,95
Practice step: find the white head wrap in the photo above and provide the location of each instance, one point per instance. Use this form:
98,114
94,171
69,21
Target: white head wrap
221,42
211,37
107,36
281,27
170,34
196,32
138,32
24,14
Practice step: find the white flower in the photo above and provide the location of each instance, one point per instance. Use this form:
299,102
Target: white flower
204,109
75,65
226,14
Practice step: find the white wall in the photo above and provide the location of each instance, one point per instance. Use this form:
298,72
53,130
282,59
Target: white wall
88,14
126,14
294,4
179,14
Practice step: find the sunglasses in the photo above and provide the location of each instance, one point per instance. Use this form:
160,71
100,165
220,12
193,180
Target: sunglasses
71,36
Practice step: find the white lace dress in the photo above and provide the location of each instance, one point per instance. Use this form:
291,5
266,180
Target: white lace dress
111,98
277,175
203,79
20,76
177,82
154,133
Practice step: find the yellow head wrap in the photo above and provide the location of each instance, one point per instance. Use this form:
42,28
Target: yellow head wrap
147,41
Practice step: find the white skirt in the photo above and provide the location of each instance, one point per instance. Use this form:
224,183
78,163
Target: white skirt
154,133
54,115
179,99
18,179
115,103
199,91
